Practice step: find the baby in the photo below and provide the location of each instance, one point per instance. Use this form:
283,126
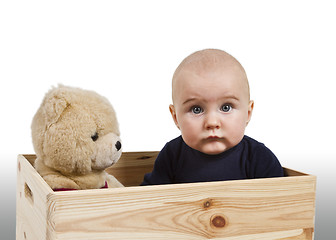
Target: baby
211,107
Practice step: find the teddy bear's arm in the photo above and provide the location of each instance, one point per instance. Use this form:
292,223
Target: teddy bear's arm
58,181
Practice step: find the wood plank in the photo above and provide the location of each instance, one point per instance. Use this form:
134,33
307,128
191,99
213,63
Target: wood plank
215,210
273,208
132,167
290,172
31,198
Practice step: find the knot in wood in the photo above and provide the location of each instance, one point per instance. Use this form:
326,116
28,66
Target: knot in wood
207,203
218,221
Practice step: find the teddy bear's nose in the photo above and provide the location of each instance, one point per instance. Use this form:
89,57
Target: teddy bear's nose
118,145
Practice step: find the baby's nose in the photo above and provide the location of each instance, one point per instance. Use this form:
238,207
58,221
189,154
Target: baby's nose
118,145
212,121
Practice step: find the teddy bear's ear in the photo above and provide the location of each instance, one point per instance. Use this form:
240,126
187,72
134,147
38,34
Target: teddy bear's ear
54,106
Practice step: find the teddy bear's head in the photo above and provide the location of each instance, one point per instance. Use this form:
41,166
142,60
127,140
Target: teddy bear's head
76,131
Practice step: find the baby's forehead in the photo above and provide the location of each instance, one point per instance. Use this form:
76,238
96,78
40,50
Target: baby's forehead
207,61
209,58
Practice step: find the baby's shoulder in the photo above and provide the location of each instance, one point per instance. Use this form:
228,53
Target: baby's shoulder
173,145
177,150
257,150
252,143
171,149
176,141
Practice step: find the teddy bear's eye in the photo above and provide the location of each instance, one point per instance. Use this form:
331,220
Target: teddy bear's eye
94,137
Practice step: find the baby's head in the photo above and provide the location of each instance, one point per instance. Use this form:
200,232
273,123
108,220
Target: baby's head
211,101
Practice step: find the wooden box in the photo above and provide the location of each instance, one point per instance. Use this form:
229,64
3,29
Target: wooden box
272,208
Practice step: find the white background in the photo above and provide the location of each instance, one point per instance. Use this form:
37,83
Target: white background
128,51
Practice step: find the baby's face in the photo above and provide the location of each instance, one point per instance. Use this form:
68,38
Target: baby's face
211,108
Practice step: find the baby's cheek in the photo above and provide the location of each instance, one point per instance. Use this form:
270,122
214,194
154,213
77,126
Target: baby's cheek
190,137
237,132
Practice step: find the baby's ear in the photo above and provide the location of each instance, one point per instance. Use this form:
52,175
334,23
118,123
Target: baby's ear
249,111
54,106
173,113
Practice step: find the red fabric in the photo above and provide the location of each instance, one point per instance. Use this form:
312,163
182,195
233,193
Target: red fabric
71,189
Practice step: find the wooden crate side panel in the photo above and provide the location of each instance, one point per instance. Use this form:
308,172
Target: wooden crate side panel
291,173
296,234
31,192
30,158
132,166
280,207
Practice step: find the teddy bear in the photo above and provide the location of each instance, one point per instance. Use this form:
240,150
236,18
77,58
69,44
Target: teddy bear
75,135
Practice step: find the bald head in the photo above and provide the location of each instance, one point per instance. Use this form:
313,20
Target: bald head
209,60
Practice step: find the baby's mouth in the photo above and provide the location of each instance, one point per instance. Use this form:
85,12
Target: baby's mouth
213,137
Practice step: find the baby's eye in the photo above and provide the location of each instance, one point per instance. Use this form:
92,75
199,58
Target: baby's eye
226,108
196,110
94,137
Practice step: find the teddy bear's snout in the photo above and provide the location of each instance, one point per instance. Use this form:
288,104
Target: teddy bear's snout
118,145
107,151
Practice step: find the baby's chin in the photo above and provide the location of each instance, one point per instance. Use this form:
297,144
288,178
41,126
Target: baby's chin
213,152
213,148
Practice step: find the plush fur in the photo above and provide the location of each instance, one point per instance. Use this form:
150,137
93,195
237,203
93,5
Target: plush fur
75,135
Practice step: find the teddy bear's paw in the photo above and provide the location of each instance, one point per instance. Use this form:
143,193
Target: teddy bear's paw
112,182
60,182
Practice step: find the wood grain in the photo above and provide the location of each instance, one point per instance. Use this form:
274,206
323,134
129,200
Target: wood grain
132,166
273,208
186,211
31,202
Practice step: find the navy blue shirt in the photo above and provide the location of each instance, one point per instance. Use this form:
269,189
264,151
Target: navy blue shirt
178,163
